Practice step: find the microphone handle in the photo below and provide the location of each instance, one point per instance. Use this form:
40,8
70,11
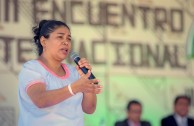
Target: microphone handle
84,69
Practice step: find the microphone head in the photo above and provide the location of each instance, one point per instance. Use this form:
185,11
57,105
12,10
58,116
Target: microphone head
73,55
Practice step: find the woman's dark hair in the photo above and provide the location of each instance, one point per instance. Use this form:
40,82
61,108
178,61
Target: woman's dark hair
44,28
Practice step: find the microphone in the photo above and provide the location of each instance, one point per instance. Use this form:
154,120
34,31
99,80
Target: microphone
74,56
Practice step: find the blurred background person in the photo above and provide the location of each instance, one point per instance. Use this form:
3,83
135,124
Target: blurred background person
181,111
134,111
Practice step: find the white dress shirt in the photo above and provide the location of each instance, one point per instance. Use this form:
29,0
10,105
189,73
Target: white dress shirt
131,123
181,121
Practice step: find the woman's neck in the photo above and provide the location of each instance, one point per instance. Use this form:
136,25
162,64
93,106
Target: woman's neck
54,65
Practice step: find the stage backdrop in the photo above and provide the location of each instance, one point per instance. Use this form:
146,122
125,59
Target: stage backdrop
139,49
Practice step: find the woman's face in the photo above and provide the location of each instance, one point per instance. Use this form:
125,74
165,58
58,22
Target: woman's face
58,45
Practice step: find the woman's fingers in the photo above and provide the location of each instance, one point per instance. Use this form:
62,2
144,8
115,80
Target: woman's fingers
79,70
88,74
93,88
84,63
98,89
89,86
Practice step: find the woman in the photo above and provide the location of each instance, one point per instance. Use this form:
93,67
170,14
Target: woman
52,93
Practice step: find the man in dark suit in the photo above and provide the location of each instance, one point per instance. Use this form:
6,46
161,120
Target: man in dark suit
180,116
134,110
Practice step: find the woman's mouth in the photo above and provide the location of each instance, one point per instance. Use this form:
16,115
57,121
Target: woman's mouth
65,51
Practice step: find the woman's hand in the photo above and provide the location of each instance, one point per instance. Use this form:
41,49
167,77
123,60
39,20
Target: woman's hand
83,62
87,86
84,84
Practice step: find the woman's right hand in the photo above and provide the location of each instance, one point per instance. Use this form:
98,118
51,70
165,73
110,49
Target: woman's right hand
83,84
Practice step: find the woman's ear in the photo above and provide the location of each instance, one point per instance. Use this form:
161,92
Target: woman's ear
43,41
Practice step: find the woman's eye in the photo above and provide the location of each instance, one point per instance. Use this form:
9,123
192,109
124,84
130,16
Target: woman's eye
60,37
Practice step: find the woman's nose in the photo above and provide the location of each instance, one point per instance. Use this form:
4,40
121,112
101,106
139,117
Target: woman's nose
65,43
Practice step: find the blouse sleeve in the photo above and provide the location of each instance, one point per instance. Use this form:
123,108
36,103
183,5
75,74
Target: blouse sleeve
28,77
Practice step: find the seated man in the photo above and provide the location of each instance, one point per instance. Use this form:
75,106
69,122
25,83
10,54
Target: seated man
134,110
180,116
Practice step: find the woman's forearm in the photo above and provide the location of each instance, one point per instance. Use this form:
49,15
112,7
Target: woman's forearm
42,98
89,103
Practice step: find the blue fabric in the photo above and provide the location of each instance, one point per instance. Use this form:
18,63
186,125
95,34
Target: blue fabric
67,113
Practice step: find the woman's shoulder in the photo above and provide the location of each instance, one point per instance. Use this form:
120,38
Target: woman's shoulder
31,64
